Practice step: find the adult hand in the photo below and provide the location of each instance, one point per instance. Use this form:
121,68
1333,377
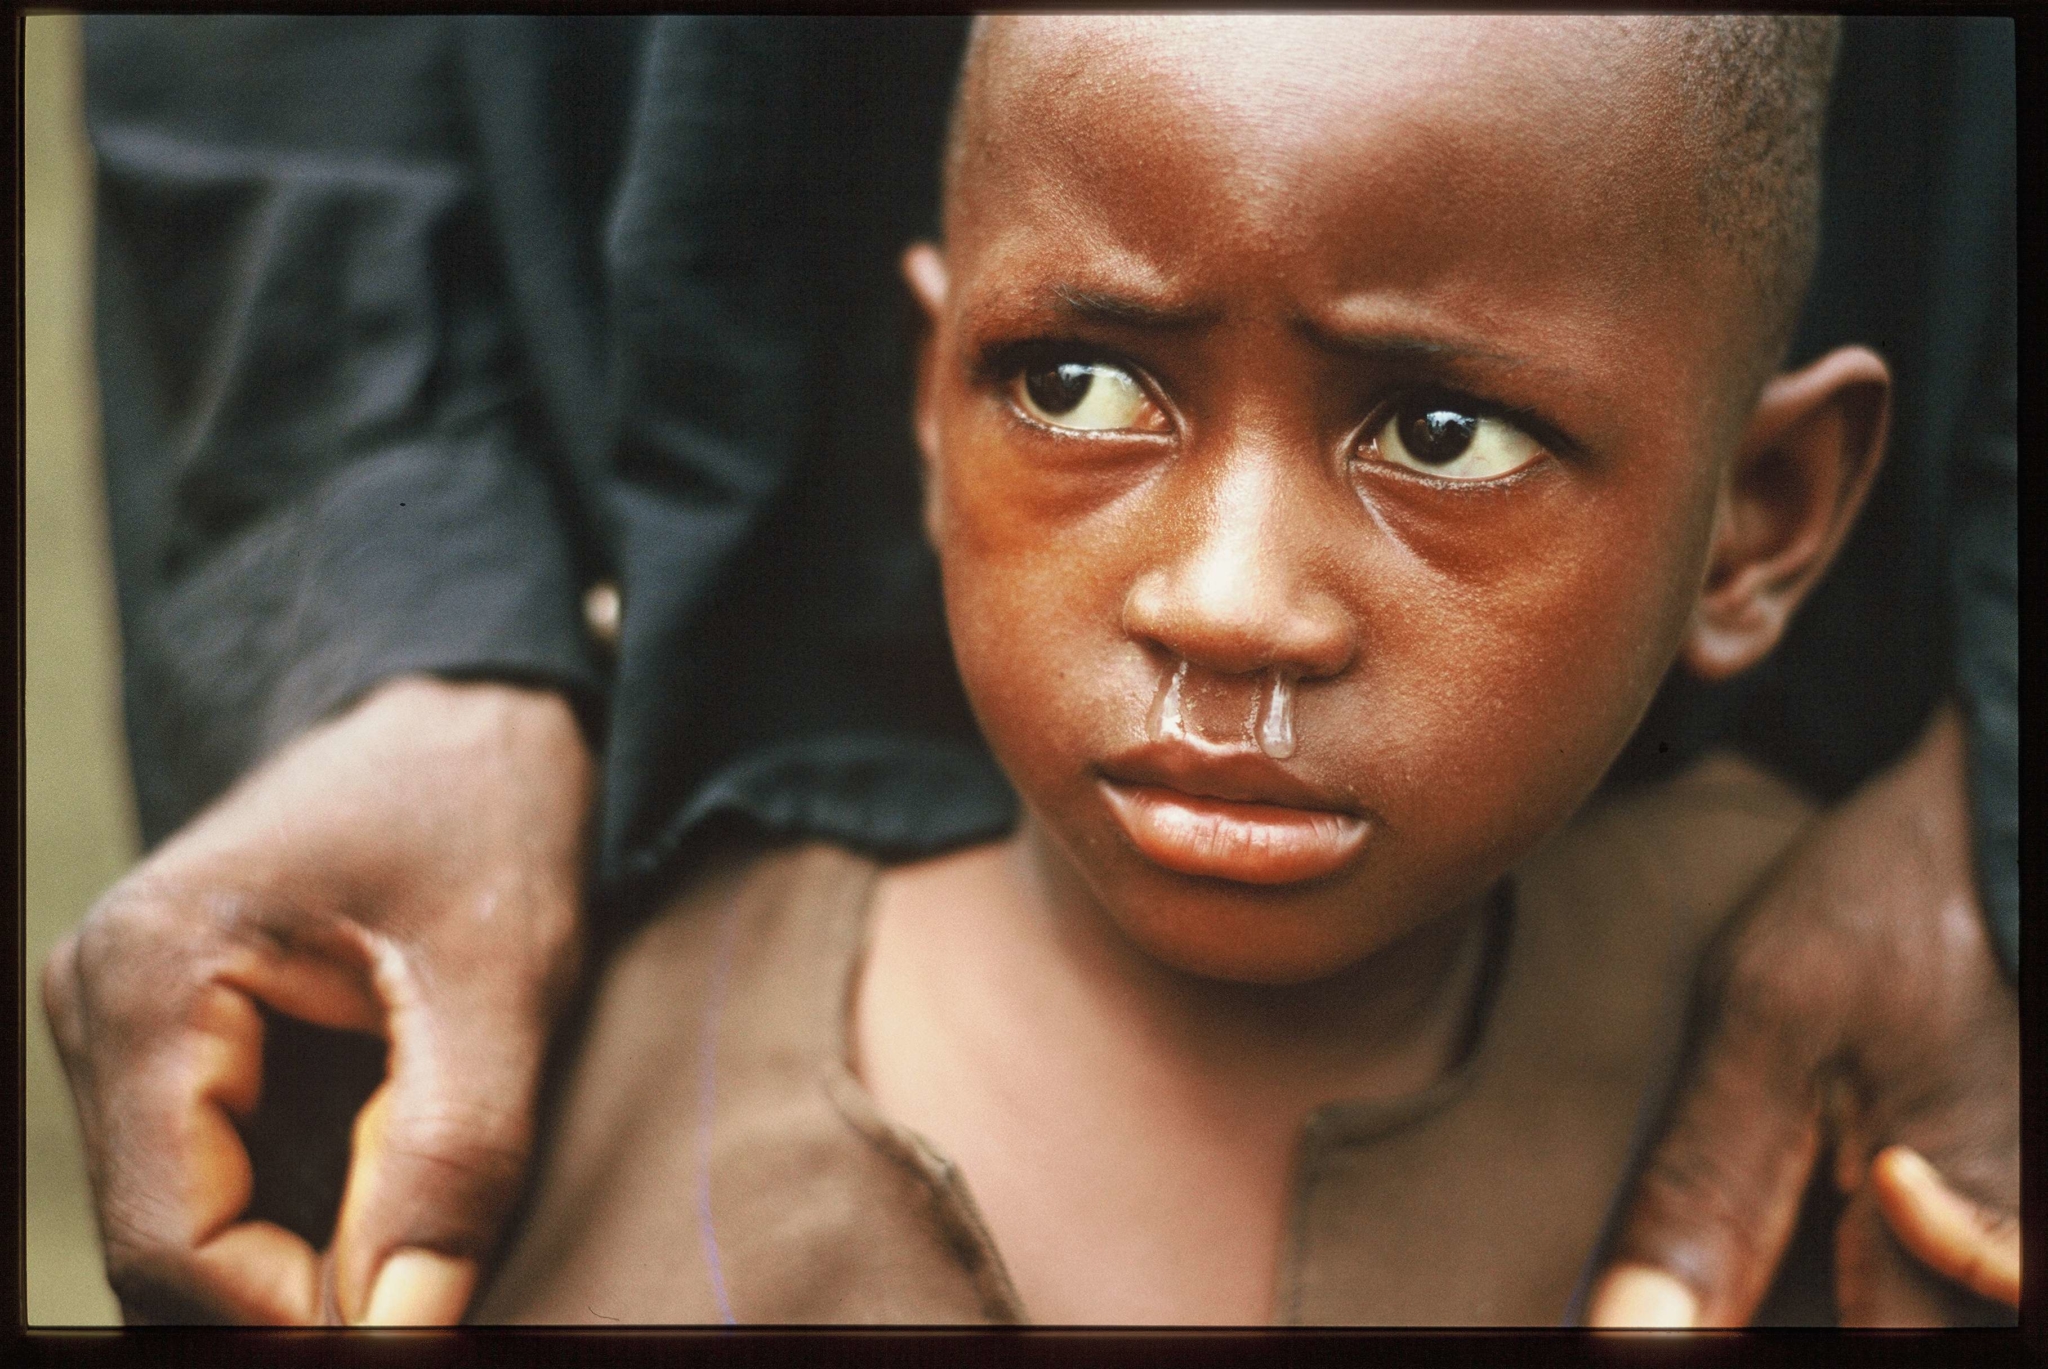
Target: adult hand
1855,1004
413,869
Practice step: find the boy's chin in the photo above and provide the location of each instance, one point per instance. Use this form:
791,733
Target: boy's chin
1250,934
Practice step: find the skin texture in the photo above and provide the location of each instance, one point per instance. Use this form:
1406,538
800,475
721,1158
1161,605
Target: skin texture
1803,1059
1281,232
410,869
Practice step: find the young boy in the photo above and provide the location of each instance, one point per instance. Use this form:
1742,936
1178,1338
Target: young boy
1334,430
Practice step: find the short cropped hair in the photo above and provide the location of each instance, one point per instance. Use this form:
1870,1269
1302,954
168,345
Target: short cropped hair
1758,85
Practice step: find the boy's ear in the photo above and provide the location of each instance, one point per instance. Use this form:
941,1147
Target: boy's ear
924,269
1787,499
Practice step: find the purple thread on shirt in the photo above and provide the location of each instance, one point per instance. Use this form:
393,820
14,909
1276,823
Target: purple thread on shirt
707,1097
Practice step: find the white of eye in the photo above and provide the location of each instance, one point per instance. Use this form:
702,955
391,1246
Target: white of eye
1447,442
1084,396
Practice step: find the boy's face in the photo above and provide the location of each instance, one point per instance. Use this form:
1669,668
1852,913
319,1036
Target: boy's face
1383,354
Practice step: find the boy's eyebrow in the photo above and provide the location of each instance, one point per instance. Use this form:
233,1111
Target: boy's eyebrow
1099,307
1374,343
1360,338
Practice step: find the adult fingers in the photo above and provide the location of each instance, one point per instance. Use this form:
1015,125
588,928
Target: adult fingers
169,1170
153,1003
1955,1235
1936,1245
1710,1215
441,1148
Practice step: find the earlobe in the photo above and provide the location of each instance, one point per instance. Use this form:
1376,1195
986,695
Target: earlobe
924,270
1787,500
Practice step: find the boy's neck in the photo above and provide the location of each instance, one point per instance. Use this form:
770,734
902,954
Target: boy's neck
1387,1026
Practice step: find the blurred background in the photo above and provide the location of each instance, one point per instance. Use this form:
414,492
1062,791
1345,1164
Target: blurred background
79,820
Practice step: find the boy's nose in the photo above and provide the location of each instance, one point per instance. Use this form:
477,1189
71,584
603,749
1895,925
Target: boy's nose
1238,587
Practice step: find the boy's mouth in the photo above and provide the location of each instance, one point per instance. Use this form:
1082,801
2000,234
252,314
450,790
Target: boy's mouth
1228,816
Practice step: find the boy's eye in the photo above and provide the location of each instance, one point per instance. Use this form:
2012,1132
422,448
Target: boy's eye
1087,396
1442,439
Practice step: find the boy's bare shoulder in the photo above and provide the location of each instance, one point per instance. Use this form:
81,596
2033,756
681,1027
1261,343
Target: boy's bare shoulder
1724,783
1623,899
1708,834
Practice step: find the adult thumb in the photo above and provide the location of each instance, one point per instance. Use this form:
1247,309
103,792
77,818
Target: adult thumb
1712,1210
438,1155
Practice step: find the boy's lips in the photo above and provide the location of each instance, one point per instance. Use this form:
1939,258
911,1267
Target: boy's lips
1228,815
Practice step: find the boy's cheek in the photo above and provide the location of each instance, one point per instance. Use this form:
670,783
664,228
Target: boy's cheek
1036,638
1007,492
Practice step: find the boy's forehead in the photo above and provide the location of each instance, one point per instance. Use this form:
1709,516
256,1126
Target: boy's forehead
1521,186
1293,72
1473,113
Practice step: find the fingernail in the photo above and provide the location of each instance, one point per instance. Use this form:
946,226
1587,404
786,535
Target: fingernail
1637,1296
1907,1165
419,1288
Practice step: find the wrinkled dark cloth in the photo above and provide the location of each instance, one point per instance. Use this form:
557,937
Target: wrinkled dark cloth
412,328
